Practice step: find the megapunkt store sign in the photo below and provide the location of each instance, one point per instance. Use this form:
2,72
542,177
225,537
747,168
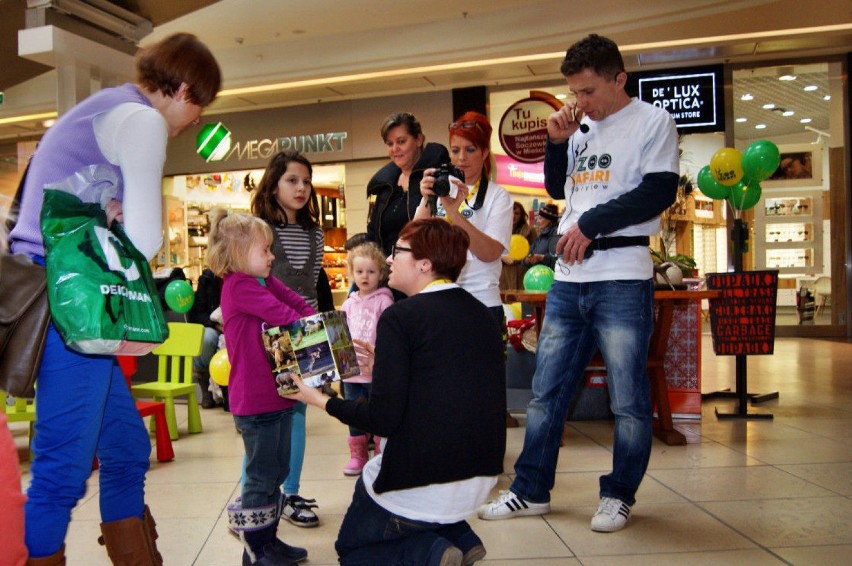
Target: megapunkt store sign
215,143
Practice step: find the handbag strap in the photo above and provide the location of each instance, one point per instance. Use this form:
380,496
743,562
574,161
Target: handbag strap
15,207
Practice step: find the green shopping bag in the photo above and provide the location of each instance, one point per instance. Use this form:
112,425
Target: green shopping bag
101,293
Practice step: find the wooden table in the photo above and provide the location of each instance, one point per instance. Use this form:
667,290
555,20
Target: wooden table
666,302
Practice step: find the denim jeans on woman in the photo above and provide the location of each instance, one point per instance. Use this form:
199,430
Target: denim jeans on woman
617,317
373,536
83,409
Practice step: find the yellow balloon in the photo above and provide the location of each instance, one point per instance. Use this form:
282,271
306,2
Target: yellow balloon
516,309
220,367
726,166
519,247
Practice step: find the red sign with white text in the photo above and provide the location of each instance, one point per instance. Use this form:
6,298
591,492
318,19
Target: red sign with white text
742,320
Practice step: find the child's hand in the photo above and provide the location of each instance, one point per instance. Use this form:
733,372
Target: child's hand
367,354
308,395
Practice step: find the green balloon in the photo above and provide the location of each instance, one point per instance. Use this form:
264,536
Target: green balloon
708,185
745,194
179,296
538,278
760,160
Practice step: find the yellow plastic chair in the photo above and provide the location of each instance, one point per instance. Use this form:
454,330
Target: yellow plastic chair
23,410
174,375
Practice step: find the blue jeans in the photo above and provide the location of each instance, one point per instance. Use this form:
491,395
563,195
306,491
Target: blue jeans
356,392
290,486
209,347
297,449
267,443
372,536
83,409
617,318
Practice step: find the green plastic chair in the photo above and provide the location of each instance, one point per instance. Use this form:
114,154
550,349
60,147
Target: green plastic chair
174,375
22,411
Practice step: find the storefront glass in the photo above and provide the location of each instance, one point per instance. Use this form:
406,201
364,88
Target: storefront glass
798,107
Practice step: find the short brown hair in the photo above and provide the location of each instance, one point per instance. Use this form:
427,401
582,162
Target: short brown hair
442,243
231,237
180,58
594,52
407,119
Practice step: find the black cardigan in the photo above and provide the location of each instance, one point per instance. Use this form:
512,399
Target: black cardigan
384,224
438,393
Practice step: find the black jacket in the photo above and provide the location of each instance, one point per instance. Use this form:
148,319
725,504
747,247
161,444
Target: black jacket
207,297
394,207
438,392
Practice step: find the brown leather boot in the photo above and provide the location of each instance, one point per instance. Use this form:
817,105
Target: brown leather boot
55,559
151,527
132,541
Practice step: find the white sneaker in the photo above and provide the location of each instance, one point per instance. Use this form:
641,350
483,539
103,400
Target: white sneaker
509,505
612,515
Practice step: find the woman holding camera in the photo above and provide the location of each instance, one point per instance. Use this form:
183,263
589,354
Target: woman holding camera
394,191
438,403
479,207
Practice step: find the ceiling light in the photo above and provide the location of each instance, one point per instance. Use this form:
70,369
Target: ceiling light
28,118
760,127
827,97
805,121
787,113
787,78
811,88
49,122
769,106
743,119
550,57
561,96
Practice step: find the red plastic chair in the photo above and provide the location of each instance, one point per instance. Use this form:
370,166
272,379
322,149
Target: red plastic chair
156,409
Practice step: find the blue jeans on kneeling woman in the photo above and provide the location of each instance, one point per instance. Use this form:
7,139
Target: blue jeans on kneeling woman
371,535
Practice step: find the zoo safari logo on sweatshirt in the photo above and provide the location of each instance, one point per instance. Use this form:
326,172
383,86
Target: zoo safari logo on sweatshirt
213,142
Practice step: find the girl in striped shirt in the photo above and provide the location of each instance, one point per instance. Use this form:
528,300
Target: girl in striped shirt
286,200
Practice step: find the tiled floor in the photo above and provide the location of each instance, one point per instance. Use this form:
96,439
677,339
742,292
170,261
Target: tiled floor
741,492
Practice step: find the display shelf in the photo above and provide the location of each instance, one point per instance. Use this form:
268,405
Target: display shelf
788,232
700,210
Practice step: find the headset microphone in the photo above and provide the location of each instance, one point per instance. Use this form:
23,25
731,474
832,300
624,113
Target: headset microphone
583,127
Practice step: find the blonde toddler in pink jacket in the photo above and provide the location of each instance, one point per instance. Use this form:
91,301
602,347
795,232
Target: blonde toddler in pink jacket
368,270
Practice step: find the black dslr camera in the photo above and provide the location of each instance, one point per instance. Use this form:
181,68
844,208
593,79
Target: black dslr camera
443,187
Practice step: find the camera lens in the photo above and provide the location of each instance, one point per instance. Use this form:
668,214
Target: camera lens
442,179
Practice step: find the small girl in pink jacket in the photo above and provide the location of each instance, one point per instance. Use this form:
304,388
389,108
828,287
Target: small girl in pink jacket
368,270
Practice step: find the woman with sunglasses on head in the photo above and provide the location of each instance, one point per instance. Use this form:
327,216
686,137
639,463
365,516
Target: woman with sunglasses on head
438,400
481,208
394,191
